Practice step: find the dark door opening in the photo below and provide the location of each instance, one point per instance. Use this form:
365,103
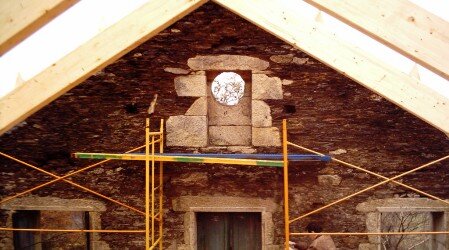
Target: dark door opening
229,231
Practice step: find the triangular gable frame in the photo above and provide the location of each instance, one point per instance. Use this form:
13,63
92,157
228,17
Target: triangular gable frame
276,17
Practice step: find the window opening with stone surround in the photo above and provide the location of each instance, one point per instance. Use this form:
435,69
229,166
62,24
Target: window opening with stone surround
54,220
208,124
412,221
406,215
228,88
229,125
53,213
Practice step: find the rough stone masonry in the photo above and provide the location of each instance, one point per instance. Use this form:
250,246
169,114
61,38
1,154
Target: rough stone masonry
326,111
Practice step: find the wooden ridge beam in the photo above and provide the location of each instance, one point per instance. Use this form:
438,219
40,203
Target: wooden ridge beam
290,22
19,19
100,51
399,24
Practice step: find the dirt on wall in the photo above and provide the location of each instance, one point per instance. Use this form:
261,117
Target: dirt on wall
325,110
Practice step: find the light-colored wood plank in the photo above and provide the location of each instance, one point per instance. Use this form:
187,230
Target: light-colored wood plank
288,21
399,24
20,18
96,54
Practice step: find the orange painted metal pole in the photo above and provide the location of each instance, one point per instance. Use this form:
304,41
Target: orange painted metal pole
152,190
285,162
147,184
64,177
374,233
371,187
68,181
70,230
161,187
372,173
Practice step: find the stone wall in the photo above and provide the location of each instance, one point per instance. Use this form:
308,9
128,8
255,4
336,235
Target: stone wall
325,110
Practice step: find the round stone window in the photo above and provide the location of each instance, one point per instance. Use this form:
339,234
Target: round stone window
227,88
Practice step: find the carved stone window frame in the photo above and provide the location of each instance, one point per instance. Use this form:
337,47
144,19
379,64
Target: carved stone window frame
92,207
374,209
191,205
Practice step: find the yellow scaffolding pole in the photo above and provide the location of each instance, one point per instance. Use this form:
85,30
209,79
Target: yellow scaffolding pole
160,186
147,183
371,172
150,192
285,162
386,180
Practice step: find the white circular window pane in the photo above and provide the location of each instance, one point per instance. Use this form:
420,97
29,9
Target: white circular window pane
227,88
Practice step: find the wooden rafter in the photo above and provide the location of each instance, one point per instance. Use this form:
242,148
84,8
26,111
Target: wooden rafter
19,19
289,22
92,56
399,24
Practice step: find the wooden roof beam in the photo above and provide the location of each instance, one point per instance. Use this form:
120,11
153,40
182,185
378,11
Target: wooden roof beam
291,23
19,19
90,57
399,24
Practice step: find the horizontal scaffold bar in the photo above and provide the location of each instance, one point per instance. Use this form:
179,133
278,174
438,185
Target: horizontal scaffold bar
291,157
180,158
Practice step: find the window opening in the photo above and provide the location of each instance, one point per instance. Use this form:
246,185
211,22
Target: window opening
51,220
412,221
221,231
228,88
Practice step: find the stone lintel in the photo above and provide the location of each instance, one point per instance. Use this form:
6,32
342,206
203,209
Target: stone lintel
266,137
223,204
188,131
53,203
191,85
402,204
265,87
227,62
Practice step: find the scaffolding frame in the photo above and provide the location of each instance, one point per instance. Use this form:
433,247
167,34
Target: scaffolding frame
152,216
288,222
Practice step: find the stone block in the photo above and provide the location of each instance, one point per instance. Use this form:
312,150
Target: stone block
220,114
283,59
265,87
188,131
191,85
230,135
188,179
368,246
198,108
287,82
227,62
300,61
224,203
329,180
421,204
266,137
261,114
373,225
178,71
